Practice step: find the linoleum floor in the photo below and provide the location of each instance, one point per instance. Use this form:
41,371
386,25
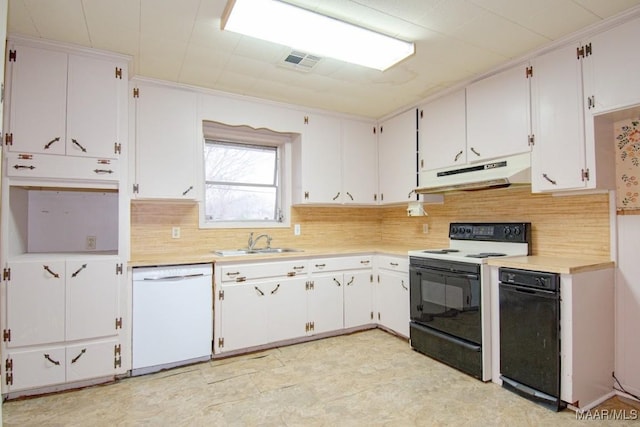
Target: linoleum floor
368,378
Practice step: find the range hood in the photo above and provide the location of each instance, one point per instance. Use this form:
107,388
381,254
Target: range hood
500,172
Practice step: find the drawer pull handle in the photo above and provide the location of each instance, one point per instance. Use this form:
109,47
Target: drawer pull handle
259,291
394,264
365,262
79,270
301,267
545,176
350,196
291,273
403,286
337,282
77,144
75,359
24,167
50,143
336,196
55,362
103,171
233,274
475,152
276,289
321,265
351,281
184,193
457,156
241,279
48,270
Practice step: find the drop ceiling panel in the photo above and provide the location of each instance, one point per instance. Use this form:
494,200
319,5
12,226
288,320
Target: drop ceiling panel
606,8
19,21
168,19
59,20
161,58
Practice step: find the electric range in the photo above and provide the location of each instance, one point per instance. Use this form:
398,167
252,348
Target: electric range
450,293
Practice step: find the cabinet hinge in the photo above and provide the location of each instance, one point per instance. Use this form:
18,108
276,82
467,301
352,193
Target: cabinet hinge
306,120
306,195
118,73
378,316
313,326
6,335
117,350
9,378
309,326
118,269
221,295
8,139
136,188
532,140
591,102
378,278
220,342
381,129
528,72
118,322
6,274
421,114
12,55
372,315
136,92
306,327
306,286
117,148
371,278
585,174
117,362
583,51
374,130
382,197
8,364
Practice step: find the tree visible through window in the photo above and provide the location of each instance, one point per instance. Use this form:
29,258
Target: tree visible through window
241,182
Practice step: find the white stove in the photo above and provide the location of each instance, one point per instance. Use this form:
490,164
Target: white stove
450,293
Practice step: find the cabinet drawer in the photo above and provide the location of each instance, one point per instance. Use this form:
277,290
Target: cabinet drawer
62,167
392,263
341,263
94,360
259,270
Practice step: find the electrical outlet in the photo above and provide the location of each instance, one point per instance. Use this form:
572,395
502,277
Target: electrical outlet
296,229
175,232
425,228
91,242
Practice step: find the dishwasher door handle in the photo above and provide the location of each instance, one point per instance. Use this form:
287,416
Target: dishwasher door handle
185,276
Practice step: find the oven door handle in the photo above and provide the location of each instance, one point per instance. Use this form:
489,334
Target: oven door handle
445,337
448,273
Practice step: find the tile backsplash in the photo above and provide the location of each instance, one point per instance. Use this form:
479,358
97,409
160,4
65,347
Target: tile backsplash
627,141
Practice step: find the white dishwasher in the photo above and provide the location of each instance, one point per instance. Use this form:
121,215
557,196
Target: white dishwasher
172,321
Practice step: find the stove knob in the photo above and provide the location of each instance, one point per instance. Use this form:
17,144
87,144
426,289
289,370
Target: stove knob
507,231
516,231
468,230
454,230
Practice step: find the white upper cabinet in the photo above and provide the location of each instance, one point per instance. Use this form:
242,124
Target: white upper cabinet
442,132
397,157
165,142
611,63
558,154
498,115
318,160
359,163
64,103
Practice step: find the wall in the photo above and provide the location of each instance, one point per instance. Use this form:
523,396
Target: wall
569,226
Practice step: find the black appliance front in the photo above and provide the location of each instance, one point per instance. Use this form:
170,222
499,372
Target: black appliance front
445,312
530,336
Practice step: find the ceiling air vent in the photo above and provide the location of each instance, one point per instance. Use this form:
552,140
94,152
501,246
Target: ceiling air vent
300,61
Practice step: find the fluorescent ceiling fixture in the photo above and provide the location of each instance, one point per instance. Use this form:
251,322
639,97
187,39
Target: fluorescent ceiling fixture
302,29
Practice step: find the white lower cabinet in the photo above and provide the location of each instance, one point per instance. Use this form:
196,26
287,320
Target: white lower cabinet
62,323
251,312
392,294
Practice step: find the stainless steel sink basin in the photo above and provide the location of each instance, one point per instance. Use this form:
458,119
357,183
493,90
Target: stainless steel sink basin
239,252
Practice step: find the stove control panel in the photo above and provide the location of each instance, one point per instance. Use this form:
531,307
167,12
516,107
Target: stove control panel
517,232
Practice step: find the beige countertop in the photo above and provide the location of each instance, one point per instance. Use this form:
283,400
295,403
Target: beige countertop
146,260
552,264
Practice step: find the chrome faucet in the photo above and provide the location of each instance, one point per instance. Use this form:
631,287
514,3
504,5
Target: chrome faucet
252,242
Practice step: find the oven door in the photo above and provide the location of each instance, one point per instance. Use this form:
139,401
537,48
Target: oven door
446,298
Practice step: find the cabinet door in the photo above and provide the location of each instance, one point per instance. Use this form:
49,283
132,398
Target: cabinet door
358,298
392,300
558,156
397,148
38,101
36,303
498,115
610,71
91,360
325,301
243,316
94,96
166,143
37,368
320,160
92,298
359,163
442,131
287,309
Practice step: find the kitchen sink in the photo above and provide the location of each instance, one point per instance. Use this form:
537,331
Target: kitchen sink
239,252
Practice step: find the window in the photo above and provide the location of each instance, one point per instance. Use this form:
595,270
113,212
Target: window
243,176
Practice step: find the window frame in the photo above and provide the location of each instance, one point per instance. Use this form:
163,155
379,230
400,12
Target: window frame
253,137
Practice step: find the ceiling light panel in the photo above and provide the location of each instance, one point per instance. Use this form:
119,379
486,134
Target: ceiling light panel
302,29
